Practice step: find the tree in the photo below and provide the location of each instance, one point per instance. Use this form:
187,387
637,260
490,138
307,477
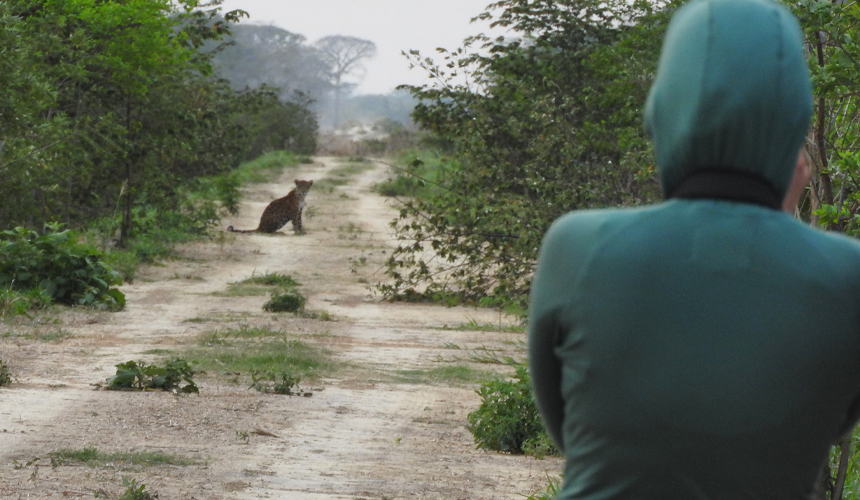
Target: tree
271,56
344,54
109,107
545,124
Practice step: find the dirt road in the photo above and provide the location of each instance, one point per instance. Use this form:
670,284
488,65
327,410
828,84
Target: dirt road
383,427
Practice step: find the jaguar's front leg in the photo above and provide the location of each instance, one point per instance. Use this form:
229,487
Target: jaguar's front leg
297,223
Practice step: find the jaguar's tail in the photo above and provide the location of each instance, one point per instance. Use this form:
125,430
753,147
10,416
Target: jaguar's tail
232,230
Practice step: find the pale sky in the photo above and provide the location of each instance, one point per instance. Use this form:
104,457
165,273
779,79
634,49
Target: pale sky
393,25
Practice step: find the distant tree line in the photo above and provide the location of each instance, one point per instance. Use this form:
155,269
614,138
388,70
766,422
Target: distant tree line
265,55
108,106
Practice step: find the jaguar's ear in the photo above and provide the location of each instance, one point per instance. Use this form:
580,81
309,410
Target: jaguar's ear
296,181
310,183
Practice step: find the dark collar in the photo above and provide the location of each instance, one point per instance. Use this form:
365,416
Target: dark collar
727,184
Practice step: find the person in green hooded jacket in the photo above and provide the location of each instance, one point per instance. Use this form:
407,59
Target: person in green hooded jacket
707,347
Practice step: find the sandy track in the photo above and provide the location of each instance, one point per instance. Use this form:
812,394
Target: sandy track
362,435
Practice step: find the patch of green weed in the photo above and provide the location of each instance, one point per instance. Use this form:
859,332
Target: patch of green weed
242,290
200,319
271,279
351,168
267,167
160,352
42,336
225,337
330,183
453,374
247,354
320,315
52,336
474,325
94,458
282,382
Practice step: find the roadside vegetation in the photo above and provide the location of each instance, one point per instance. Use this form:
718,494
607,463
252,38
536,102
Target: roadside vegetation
118,142
38,270
415,174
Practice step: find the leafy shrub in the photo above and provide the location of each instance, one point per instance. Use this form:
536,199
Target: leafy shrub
58,267
508,419
141,376
288,301
5,374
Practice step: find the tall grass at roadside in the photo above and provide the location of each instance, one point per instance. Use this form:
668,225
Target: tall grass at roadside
267,167
416,174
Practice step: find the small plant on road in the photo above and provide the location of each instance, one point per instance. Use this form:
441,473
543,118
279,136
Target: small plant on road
243,436
277,382
136,491
5,374
289,301
140,376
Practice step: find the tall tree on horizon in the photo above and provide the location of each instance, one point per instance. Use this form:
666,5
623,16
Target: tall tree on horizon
344,54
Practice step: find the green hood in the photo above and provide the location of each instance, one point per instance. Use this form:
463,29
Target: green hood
732,92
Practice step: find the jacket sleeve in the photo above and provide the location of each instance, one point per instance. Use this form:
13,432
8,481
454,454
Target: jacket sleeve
563,256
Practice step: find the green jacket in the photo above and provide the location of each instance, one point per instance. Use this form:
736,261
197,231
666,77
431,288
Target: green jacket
707,347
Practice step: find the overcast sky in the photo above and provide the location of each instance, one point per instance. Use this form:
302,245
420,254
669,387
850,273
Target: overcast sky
393,25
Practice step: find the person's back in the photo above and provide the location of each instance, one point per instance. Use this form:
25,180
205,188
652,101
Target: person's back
706,347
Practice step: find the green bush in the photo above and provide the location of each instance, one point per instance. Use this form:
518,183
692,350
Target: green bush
141,376
289,301
508,419
55,265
